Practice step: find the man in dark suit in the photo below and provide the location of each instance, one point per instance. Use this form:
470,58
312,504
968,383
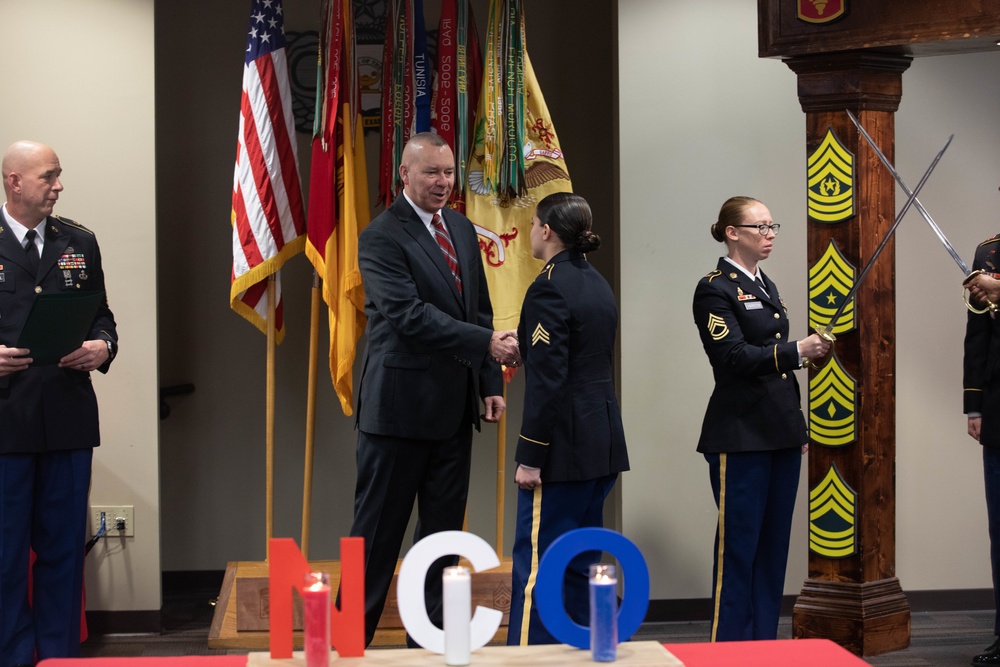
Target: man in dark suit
982,405
431,355
48,413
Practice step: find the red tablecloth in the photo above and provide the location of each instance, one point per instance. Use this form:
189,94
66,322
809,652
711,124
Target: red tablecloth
780,653
189,661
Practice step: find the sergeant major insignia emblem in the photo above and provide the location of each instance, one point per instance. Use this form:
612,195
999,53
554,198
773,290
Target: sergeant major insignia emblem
830,181
830,281
833,405
833,516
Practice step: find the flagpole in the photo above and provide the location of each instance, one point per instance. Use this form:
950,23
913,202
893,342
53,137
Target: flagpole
310,413
501,473
269,413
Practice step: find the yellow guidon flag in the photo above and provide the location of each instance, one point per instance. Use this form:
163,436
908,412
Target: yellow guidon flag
515,162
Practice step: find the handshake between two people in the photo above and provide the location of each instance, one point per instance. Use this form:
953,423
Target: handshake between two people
504,348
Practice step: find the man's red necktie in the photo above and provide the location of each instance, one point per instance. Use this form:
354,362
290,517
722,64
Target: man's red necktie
443,240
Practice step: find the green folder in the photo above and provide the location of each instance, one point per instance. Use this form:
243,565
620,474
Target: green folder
58,324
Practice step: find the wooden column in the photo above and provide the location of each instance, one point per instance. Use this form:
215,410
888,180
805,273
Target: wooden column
856,600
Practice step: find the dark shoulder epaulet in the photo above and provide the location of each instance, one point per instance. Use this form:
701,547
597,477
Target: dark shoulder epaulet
990,240
72,223
713,275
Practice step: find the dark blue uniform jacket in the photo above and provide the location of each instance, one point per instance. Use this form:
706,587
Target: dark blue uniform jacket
572,425
755,405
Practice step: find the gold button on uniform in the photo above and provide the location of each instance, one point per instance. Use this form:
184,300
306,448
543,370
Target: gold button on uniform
784,376
778,335
38,289
776,316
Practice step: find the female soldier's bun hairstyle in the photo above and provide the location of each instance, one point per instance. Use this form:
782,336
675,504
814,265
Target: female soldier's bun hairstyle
569,216
730,214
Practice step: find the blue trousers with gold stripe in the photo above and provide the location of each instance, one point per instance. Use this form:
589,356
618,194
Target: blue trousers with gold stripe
991,474
755,493
543,515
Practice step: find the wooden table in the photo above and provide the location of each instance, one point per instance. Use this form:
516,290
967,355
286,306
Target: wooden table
630,654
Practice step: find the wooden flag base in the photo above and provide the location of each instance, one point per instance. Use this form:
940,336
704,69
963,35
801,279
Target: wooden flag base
241,618
866,619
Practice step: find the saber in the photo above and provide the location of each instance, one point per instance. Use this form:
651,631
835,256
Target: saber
916,202
968,273
827,331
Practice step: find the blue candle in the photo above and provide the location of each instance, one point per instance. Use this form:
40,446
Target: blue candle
603,613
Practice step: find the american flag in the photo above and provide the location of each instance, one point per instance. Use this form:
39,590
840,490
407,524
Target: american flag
268,217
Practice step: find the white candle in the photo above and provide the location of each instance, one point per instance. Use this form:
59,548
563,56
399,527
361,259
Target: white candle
457,594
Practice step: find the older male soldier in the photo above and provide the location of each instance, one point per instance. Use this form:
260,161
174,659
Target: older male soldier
431,355
48,413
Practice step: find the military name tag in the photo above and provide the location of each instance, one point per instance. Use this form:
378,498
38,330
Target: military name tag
753,305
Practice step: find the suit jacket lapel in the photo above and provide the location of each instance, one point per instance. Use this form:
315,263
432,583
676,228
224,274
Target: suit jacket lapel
414,226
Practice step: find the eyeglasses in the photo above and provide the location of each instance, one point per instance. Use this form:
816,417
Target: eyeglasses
764,229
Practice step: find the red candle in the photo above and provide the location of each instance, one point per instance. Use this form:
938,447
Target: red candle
316,609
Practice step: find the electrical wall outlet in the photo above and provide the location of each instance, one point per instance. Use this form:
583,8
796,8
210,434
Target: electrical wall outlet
118,520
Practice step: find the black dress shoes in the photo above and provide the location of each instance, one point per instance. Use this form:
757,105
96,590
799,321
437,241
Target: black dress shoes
991,656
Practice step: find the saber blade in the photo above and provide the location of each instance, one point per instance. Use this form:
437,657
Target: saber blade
827,331
916,202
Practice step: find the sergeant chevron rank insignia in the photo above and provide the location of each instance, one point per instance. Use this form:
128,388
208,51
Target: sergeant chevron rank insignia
830,178
831,279
833,405
833,517
539,335
717,327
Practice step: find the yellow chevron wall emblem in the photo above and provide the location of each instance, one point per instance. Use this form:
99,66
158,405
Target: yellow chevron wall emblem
830,178
833,405
830,281
717,327
833,517
539,335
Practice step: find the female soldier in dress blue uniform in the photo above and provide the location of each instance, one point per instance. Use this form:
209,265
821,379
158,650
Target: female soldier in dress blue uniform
754,433
572,444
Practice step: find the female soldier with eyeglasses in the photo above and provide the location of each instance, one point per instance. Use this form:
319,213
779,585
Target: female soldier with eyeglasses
753,435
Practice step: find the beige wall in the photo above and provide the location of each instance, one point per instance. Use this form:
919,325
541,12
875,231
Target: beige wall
79,77
702,118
